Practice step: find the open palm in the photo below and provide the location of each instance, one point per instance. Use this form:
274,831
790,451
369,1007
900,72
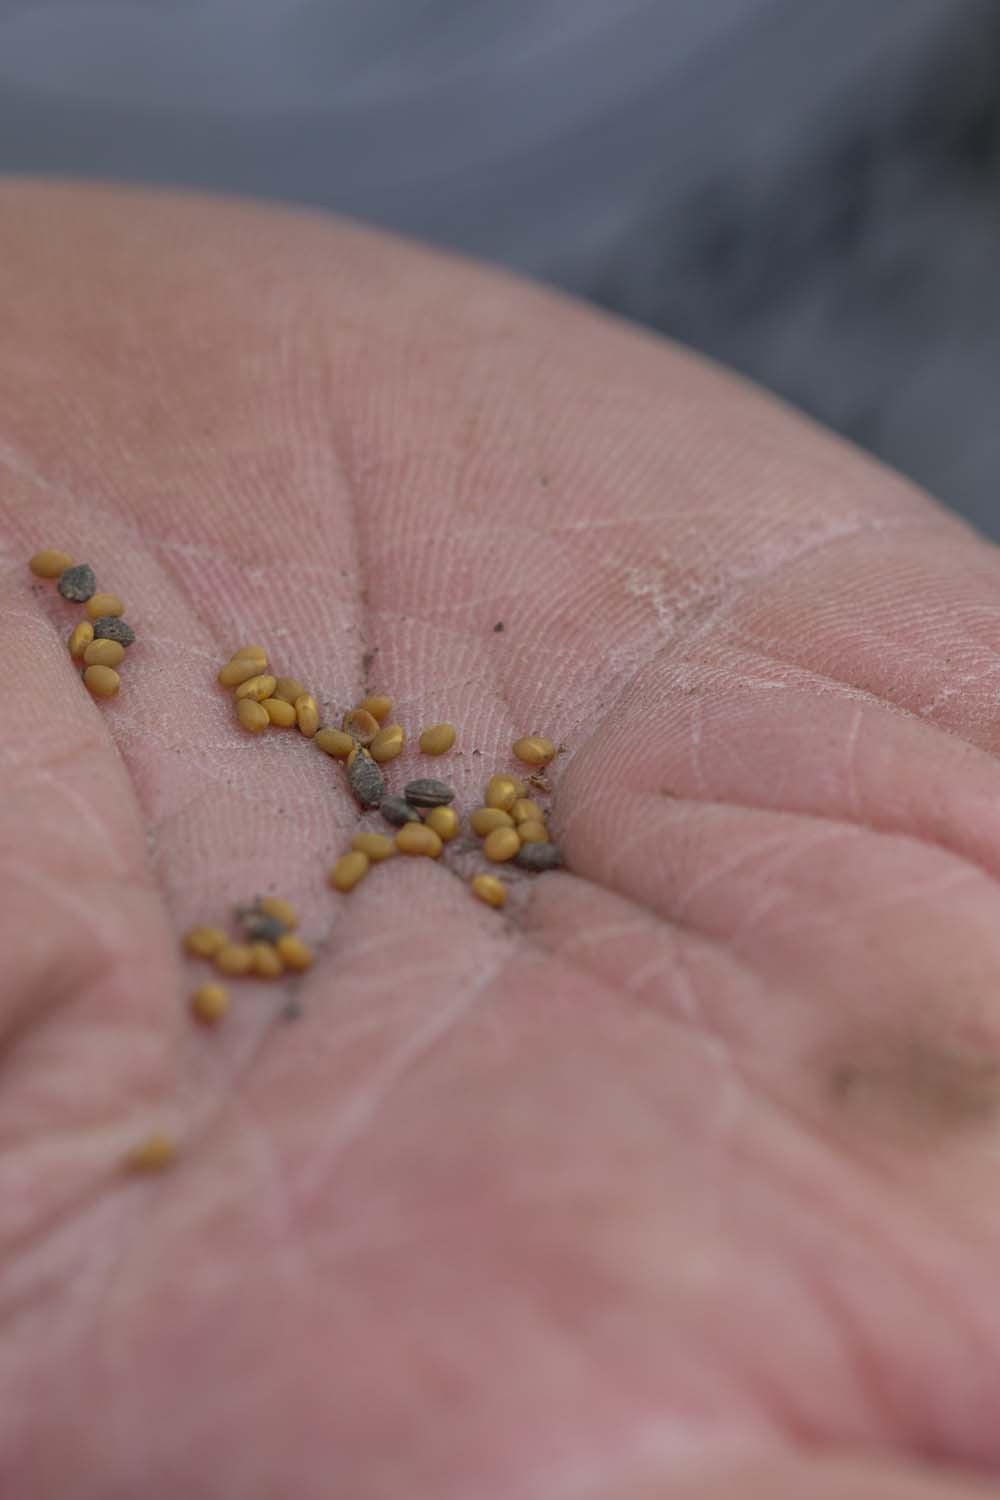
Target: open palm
675,1178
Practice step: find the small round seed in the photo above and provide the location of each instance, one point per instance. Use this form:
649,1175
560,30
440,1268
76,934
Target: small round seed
426,792
104,604
538,857
267,961
444,821
234,958
259,928
388,743
257,688
205,942
209,1003
279,712
417,838
375,845
531,832
349,869
296,954
526,811
104,654
49,563
437,739
257,651
153,1155
334,742
500,845
110,628
501,791
485,819
289,688
240,669
365,777
534,749
252,715
281,910
489,889
377,707
306,714
361,725
102,681
81,639
77,583
397,810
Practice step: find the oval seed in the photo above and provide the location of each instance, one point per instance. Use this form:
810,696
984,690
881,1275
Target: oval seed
538,857
258,928
501,791
239,670
437,739
349,869
281,910
426,792
367,781
296,954
209,1003
375,845
155,1153
289,688
252,715
444,821
249,651
77,583
500,845
104,654
205,942
485,819
388,743
267,961
534,749
377,707
526,811
234,958
334,742
81,639
49,563
279,712
104,604
417,838
306,714
110,628
361,725
532,832
257,688
397,810
489,889
102,681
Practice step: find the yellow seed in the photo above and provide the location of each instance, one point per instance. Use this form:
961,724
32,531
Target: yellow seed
388,743
102,681
282,911
417,838
500,845
49,563
377,707
489,889
104,654
306,714
255,651
252,715
104,604
534,749
296,953
444,821
155,1153
349,869
502,792
234,958
279,712
289,688
209,1003
437,739
526,811
334,742
81,639
485,819
267,961
240,669
532,832
205,942
257,688
361,725
375,845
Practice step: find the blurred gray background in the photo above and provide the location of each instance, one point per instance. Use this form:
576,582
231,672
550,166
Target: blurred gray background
807,189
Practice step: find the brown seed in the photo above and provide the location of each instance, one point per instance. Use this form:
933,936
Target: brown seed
209,1003
289,688
417,838
349,869
532,832
104,654
489,889
485,819
444,821
377,707
501,791
334,742
252,715
240,669
500,845
81,639
104,604
297,954
257,688
534,749
49,563
279,712
281,910
234,958
376,845
437,739
102,681
205,942
361,725
388,743
365,777
155,1153
267,961
255,651
526,811
306,714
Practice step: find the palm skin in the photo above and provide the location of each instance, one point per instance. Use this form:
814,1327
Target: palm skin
674,1179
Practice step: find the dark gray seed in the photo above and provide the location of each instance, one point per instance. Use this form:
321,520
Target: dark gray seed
538,857
77,583
426,792
397,810
110,628
367,781
260,928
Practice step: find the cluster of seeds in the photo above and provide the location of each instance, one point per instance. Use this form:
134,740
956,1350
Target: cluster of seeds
98,643
266,947
262,699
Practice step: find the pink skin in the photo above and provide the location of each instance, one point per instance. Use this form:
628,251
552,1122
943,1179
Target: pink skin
676,1178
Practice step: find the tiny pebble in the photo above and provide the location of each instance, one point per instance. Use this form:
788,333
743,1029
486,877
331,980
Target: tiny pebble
334,742
279,711
489,889
538,857
110,628
49,563
306,714
240,669
367,781
289,688
205,942
378,707
417,838
103,682
375,845
397,810
282,910
258,688
426,792
267,961
444,821
81,639
155,1153
388,743
296,954
534,749
438,739
485,819
104,654
209,1003
104,604
251,715
234,959
502,844
349,869
77,583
